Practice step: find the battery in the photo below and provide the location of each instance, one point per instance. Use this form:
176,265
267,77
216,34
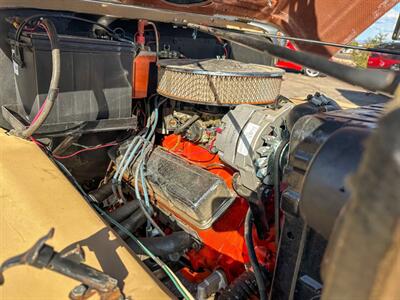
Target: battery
95,80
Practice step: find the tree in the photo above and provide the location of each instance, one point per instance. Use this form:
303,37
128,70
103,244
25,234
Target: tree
360,58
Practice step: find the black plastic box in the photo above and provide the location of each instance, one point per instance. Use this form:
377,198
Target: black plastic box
95,80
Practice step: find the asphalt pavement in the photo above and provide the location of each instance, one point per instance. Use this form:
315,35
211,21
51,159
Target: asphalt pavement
298,86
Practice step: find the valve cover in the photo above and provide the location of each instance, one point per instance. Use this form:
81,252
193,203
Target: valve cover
191,194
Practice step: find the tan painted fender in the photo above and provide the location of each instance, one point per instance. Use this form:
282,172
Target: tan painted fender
35,196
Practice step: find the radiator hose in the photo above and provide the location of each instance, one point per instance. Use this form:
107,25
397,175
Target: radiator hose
163,246
242,288
132,223
248,236
122,213
52,94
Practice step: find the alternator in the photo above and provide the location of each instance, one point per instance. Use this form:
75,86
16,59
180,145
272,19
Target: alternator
249,138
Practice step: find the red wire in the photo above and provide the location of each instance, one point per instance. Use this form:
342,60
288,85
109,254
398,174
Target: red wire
44,102
223,46
77,152
36,142
39,112
226,52
86,149
212,143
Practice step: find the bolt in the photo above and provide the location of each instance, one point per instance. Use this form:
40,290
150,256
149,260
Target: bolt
269,138
79,291
262,162
174,256
268,180
261,173
173,123
264,151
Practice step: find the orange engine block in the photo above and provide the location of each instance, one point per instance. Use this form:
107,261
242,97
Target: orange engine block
223,244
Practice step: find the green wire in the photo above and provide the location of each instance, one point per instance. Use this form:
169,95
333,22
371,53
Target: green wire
166,269
186,295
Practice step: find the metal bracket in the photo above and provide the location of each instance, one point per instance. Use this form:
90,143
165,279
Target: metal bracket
41,255
256,204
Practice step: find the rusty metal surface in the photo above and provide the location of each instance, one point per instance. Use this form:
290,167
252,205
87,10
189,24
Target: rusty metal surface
120,10
329,20
35,196
326,20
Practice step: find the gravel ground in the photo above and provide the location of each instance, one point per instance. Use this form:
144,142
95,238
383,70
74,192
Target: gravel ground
298,86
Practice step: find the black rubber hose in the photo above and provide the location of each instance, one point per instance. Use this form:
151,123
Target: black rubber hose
54,82
308,108
163,246
248,236
242,288
187,124
101,193
63,16
277,190
132,223
123,212
51,33
103,21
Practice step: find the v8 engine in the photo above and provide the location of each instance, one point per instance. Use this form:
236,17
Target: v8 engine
216,150
224,188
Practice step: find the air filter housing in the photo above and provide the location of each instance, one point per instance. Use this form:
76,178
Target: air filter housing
218,81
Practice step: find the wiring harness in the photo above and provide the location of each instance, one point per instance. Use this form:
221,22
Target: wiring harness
135,158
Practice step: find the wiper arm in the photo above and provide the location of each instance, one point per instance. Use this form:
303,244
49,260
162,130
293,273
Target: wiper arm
373,80
331,44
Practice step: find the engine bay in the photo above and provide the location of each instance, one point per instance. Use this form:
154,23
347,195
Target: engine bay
182,142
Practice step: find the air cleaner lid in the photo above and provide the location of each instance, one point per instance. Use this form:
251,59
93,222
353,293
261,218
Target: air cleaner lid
220,67
218,81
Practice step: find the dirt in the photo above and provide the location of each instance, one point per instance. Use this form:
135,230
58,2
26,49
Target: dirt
298,86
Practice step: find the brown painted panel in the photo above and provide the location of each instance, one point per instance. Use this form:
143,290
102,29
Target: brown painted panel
326,20
35,196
